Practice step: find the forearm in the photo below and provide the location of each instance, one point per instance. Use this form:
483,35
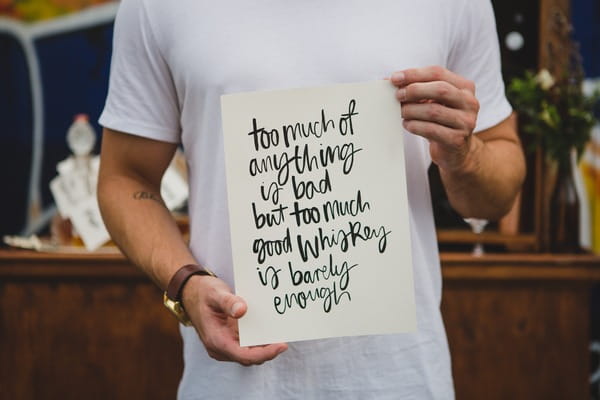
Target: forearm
488,182
142,226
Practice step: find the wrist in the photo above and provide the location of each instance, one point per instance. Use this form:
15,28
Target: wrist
174,294
195,287
468,164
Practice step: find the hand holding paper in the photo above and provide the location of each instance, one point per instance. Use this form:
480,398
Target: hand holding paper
482,173
440,106
214,311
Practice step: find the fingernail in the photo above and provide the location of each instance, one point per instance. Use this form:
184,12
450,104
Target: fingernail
401,94
398,77
235,308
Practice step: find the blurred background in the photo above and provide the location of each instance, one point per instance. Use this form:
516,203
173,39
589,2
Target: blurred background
54,64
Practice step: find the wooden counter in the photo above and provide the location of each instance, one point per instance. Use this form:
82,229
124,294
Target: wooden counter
518,325
93,327
83,327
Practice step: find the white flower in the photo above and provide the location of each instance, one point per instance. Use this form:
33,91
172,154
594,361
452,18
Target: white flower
545,79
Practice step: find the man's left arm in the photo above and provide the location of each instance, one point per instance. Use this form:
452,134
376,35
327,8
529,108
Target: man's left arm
482,173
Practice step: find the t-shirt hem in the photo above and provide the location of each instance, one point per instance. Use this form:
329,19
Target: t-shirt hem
494,117
138,128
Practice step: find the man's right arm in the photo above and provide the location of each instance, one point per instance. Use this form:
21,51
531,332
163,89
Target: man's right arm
131,170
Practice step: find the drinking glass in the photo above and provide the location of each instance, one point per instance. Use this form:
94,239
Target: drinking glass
477,226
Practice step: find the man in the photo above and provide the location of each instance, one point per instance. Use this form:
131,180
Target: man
171,63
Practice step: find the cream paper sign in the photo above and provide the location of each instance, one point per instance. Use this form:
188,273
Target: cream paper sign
319,212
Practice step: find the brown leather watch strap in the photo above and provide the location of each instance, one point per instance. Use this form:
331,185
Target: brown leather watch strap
180,278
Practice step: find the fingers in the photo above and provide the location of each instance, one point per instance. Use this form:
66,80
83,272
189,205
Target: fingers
437,113
431,74
448,137
254,355
223,345
227,303
440,106
439,92
216,323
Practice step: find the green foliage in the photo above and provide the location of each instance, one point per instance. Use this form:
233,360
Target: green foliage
555,114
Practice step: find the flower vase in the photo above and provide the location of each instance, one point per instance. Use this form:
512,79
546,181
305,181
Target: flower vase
564,211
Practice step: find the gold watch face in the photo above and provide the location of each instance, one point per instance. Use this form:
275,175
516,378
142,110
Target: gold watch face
177,309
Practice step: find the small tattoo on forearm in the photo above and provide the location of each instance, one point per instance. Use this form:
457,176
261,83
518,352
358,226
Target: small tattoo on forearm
148,196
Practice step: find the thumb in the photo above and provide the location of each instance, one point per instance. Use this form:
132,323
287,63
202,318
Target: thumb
230,304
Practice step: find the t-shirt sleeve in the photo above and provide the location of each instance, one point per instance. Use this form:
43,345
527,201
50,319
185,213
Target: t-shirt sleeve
475,55
142,99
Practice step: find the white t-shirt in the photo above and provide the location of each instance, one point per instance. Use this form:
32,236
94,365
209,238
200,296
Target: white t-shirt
172,60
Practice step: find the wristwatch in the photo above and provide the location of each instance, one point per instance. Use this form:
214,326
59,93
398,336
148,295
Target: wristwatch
172,296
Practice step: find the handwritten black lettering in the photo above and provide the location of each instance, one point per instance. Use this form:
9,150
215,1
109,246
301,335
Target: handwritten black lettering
264,276
309,188
346,119
262,138
308,215
302,161
297,130
342,239
335,208
268,248
272,218
272,193
322,273
329,295
305,169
